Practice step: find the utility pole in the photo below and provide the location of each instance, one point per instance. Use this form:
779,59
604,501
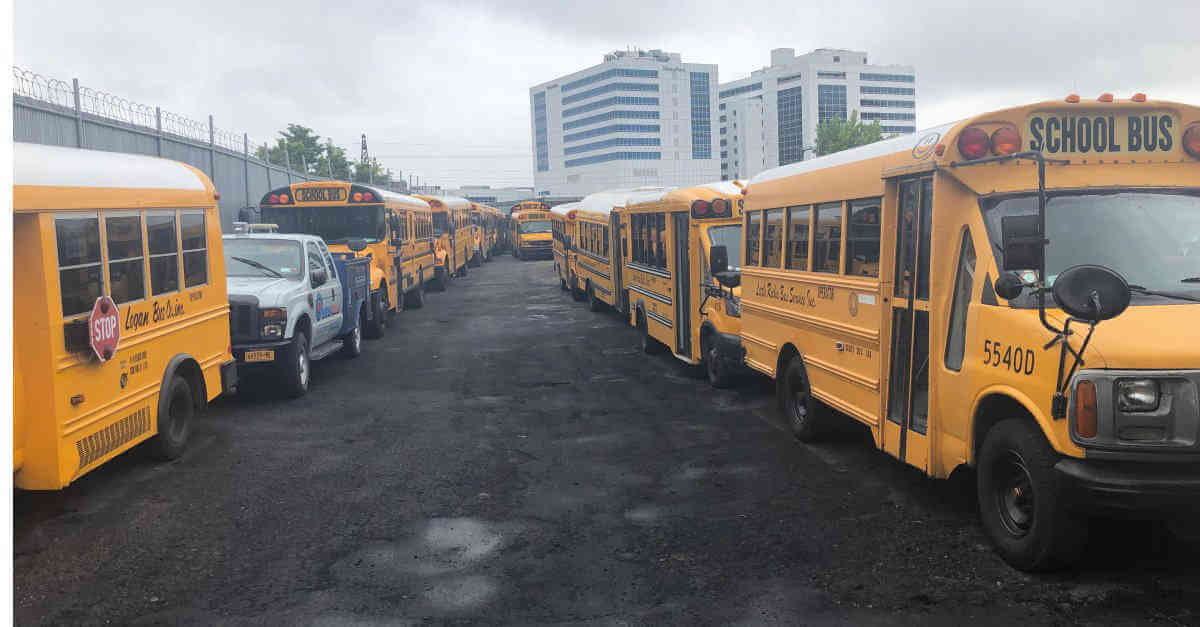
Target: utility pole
365,160
329,160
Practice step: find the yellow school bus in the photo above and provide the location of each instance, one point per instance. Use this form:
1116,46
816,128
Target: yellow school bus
939,288
562,226
452,235
484,223
670,290
396,228
596,263
531,230
137,239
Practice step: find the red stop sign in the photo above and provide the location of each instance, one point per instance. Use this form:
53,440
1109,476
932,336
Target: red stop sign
104,328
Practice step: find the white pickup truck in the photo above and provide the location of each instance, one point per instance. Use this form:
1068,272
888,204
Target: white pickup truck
291,302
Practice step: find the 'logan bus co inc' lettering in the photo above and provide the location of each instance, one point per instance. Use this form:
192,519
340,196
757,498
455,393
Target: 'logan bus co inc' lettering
1101,134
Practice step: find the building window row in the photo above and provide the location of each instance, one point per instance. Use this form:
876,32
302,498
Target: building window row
831,102
611,115
831,75
898,129
609,143
887,91
607,74
790,105
875,115
724,154
614,156
615,100
889,78
604,89
612,128
701,116
741,90
540,132
902,104
788,79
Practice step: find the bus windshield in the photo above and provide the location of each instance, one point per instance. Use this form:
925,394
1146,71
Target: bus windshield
729,236
334,224
1152,238
280,259
536,226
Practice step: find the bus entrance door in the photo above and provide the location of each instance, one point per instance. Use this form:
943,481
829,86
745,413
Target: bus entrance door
683,285
620,296
905,431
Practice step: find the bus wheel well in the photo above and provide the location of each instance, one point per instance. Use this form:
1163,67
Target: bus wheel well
993,409
785,355
190,371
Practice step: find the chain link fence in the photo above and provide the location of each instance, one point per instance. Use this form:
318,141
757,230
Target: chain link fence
52,111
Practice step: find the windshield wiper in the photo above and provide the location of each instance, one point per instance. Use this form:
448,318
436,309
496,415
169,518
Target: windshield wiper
254,264
1138,289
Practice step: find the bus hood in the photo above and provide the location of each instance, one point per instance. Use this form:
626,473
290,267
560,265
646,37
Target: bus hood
1157,336
269,291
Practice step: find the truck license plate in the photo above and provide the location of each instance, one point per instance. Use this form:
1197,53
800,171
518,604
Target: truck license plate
253,356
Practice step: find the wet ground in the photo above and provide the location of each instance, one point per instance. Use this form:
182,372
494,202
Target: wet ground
505,456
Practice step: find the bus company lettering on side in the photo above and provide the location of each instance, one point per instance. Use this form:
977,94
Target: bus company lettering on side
1102,134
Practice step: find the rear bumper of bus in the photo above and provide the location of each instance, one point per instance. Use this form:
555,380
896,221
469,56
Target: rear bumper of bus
1127,488
530,251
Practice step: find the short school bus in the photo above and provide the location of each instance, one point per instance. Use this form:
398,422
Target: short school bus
902,284
668,290
397,230
485,221
452,233
596,264
146,233
562,231
531,230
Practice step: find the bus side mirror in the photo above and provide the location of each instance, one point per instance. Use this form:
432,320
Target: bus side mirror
356,244
1022,242
1091,293
718,259
1009,285
728,278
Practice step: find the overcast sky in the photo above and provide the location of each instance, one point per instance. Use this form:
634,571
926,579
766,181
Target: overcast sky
441,88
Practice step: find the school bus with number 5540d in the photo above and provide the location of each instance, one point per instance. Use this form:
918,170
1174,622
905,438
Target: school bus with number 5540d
121,323
1018,292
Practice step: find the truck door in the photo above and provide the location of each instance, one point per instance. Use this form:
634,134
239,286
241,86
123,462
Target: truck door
326,294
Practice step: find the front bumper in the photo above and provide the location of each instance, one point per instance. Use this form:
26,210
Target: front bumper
281,348
528,251
229,378
1128,488
730,350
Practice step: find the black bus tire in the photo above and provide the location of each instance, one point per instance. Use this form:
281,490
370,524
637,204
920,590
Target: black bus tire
174,419
805,415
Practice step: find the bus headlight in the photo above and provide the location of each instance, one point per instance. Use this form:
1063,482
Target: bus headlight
733,307
1137,395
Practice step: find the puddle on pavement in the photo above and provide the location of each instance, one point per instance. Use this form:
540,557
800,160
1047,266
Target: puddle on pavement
461,593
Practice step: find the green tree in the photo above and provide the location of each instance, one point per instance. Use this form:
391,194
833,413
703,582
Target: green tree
371,172
303,148
836,134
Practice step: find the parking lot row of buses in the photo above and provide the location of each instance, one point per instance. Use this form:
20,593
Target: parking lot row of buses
1017,293
132,310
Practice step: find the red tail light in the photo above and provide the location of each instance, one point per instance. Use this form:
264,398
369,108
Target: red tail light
720,207
357,196
973,143
1139,97
1191,140
700,208
273,198
1072,98
1105,97
368,196
1005,141
283,198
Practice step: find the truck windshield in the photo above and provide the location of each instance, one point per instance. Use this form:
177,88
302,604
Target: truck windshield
730,237
1152,238
536,226
334,224
249,257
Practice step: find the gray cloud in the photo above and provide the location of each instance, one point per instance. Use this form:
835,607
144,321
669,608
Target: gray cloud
441,89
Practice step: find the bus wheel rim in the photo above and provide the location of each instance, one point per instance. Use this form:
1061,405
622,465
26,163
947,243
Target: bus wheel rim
1013,489
714,371
799,398
356,338
178,416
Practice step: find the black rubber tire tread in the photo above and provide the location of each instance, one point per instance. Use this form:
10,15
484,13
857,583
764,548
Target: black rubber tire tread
415,299
650,346
293,386
594,304
1056,538
376,327
576,293
718,374
812,425
180,396
348,347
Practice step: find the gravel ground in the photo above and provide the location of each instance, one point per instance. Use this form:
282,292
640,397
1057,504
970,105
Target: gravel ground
505,456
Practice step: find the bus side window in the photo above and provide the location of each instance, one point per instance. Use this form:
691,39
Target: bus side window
606,241
164,252
80,276
827,238
195,248
753,222
956,343
797,243
773,238
661,221
862,238
126,257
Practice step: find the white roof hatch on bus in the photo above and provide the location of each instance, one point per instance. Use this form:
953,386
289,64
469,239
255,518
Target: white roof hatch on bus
561,210
57,166
613,200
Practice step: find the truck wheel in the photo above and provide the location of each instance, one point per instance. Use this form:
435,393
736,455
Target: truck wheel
718,372
1020,502
377,326
806,416
352,343
174,419
297,367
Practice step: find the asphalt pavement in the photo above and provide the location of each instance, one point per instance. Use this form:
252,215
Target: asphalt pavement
504,456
